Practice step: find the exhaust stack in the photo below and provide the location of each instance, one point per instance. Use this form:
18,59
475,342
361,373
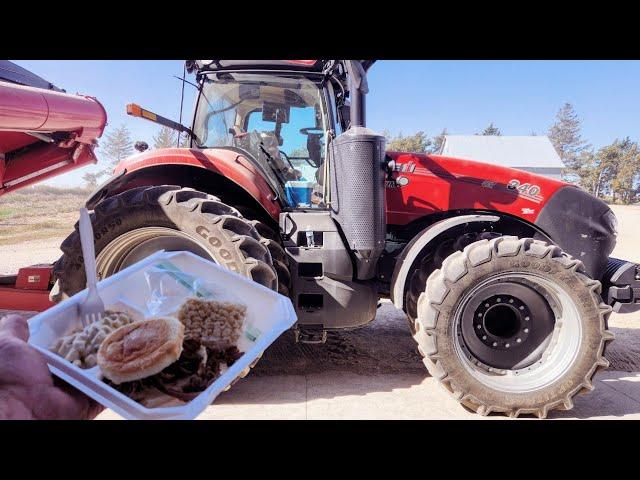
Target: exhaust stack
357,180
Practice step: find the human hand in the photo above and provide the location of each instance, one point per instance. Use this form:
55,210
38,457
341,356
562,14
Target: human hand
28,390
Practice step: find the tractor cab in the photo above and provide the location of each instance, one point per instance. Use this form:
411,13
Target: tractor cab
283,114
278,120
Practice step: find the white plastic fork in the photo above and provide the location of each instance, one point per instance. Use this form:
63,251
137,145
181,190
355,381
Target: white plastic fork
92,308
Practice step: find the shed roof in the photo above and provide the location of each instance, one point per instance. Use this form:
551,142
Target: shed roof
509,151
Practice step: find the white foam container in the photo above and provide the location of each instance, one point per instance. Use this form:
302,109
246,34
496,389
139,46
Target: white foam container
267,311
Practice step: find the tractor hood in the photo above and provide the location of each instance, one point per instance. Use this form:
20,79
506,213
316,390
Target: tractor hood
426,184
44,131
578,222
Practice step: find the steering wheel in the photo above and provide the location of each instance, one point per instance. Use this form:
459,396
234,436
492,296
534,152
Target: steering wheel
311,130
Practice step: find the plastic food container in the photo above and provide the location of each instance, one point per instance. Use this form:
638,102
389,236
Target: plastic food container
268,315
299,192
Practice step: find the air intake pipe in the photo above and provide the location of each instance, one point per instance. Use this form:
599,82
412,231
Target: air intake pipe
358,89
357,180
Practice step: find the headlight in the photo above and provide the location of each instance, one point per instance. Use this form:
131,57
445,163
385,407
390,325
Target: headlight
611,221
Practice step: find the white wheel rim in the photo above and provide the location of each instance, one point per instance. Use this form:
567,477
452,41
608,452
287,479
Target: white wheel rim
557,358
124,243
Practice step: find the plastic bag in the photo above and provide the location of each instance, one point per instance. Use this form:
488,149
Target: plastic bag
169,287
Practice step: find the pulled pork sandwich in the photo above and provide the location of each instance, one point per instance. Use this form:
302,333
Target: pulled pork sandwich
137,365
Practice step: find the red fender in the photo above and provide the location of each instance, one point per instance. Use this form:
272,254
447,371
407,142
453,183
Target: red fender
227,163
427,184
433,183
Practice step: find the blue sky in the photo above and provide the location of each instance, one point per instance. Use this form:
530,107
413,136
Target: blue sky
405,96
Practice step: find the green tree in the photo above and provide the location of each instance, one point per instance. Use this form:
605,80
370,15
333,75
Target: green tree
416,143
589,173
117,147
566,138
621,166
613,172
165,138
185,140
438,141
91,179
491,131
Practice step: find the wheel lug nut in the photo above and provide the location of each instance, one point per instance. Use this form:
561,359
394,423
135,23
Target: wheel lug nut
498,299
526,319
521,308
478,326
495,344
518,340
480,314
507,345
486,305
511,301
526,330
484,337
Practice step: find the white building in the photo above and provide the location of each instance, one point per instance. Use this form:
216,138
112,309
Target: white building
529,153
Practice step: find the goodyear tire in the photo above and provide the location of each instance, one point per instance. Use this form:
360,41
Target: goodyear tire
132,225
512,325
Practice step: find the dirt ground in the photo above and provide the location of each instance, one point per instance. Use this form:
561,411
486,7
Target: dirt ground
379,365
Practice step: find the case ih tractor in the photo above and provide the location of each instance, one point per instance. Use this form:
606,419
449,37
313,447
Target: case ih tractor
505,276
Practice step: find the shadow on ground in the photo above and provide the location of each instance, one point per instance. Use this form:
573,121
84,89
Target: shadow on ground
386,346
616,394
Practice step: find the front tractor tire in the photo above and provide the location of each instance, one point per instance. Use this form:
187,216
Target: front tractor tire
512,325
136,223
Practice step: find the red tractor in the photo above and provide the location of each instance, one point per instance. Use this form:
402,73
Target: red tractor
505,276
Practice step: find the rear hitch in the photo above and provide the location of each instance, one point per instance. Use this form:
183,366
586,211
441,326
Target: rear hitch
621,282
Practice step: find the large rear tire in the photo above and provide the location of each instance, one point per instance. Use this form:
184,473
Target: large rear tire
134,224
512,325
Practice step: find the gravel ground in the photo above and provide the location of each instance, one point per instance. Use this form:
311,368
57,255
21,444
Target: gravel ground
12,257
385,345
385,348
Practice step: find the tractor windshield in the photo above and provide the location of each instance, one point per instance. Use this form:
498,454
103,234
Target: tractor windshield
279,120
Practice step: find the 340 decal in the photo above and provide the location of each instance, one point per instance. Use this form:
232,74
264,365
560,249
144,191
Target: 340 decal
527,190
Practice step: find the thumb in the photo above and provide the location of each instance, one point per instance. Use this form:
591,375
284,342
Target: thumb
14,326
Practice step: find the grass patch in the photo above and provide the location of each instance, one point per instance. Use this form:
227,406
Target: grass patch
39,213
50,190
13,211
22,236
